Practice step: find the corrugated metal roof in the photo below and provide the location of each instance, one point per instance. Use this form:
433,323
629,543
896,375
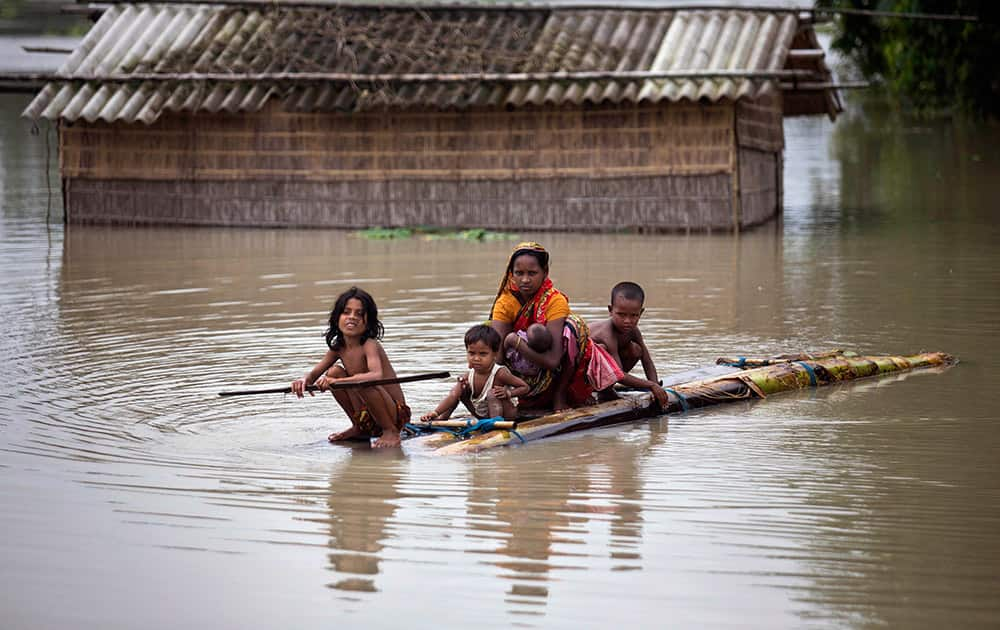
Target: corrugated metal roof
151,42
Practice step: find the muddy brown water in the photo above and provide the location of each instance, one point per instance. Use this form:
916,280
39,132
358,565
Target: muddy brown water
133,496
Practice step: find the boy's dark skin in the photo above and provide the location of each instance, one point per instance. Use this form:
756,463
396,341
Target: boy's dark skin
620,336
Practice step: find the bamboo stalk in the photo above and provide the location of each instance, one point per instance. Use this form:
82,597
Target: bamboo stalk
47,49
827,85
371,383
543,7
745,385
461,424
357,77
744,362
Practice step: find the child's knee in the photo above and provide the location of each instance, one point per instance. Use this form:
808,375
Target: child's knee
336,371
630,354
500,406
633,350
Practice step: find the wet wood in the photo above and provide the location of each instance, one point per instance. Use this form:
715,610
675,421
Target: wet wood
372,383
753,383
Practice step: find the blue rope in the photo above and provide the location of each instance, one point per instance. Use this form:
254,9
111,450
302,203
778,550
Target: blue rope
741,364
484,425
684,403
812,374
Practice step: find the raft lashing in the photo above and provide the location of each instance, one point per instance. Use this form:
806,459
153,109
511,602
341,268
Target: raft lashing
731,379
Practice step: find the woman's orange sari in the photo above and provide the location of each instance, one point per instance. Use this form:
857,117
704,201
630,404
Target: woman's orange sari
578,347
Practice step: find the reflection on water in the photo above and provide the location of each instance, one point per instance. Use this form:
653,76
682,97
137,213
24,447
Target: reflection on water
361,507
871,503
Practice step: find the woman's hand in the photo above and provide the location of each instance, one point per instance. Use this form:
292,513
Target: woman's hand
510,341
428,417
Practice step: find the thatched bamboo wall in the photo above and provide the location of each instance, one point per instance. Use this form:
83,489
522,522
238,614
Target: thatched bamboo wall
760,140
650,167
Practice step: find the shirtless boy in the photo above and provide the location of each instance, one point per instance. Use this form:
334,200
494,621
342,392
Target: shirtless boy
619,335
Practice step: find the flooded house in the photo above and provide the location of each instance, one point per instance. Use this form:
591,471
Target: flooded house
500,117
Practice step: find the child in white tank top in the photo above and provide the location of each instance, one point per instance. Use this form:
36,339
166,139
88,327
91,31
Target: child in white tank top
489,390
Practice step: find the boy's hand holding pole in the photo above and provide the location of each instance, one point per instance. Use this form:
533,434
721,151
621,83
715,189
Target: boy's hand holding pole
659,394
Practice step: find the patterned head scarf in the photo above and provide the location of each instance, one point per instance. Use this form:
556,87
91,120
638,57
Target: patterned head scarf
527,247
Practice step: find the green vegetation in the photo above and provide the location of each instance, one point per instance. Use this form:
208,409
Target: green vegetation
429,233
40,17
926,65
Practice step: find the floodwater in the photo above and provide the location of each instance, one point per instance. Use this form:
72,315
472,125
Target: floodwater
133,496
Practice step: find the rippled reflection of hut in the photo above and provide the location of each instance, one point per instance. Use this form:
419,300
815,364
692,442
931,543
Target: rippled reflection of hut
472,116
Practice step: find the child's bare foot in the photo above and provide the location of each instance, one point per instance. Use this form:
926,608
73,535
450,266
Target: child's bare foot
388,440
348,434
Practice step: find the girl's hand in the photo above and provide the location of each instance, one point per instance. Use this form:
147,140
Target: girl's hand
428,417
299,387
323,383
500,392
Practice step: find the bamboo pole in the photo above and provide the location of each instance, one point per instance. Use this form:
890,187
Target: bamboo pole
356,77
827,85
749,384
462,424
542,7
333,386
734,183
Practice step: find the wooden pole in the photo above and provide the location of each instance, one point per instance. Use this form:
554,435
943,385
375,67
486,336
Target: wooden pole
461,424
313,388
737,199
355,77
523,8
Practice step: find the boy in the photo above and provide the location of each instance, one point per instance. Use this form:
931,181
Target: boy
620,336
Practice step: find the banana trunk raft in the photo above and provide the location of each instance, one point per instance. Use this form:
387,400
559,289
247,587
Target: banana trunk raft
732,379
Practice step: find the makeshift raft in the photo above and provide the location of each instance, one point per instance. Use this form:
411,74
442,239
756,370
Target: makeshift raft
730,380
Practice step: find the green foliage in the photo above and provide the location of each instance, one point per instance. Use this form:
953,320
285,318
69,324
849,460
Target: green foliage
39,17
10,9
926,65
383,234
474,234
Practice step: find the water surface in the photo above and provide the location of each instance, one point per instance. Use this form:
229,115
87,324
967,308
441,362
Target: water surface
133,496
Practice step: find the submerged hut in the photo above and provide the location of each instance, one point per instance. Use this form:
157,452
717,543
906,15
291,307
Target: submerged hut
502,117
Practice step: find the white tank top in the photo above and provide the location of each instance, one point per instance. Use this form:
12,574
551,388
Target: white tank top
479,402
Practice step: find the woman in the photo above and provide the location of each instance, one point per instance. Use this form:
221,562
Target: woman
525,297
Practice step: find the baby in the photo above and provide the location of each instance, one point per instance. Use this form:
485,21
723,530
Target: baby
538,339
